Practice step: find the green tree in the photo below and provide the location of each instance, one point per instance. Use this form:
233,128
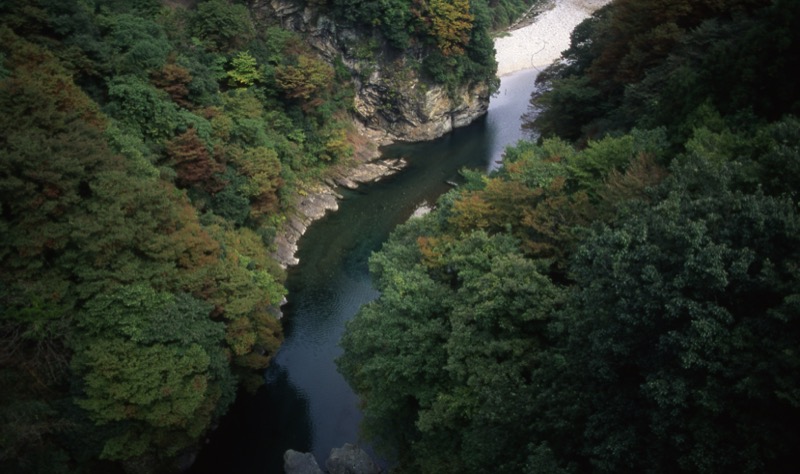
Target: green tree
394,18
394,347
656,62
136,45
152,365
222,25
98,257
145,109
244,70
263,170
446,358
450,23
161,386
688,309
305,80
503,303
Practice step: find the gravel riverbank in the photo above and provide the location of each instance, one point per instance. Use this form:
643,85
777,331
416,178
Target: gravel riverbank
540,42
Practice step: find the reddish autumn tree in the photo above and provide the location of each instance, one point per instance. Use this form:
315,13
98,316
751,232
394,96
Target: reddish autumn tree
174,80
193,163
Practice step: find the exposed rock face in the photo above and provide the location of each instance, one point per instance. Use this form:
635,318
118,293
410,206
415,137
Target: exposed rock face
350,459
411,110
295,462
391,99
316,201
311,206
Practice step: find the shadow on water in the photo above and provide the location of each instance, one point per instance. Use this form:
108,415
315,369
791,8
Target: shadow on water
238,443
305,403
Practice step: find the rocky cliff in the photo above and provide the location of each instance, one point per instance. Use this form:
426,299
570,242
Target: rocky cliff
392,101
317,199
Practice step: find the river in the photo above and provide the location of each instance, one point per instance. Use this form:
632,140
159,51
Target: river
305,403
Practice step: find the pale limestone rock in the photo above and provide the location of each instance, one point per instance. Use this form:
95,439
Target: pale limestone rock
316,201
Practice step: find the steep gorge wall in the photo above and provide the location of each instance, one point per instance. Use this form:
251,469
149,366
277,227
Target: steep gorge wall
392,102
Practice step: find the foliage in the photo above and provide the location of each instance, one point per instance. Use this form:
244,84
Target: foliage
626,303
82,221
693,314
572,271
139,105
244,70
451,38
192,161
506,12
393,17
148,157
632,58
263,168
450,23
152,361
305,79
222,25
136,45
175,80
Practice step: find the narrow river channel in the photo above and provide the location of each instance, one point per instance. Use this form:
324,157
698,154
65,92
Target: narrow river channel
305,404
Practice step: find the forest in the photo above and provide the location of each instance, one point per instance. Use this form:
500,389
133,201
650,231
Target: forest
622,296
151,152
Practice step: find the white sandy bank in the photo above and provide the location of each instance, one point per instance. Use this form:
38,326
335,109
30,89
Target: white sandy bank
540,43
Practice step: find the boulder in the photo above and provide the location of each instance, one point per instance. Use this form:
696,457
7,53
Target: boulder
350,459
295,462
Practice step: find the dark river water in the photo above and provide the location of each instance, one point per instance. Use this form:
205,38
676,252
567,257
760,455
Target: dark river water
305,404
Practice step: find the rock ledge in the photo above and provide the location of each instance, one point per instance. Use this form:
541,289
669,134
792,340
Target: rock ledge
316,200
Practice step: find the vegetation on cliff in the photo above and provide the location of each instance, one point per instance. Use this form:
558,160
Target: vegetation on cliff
451,39
625,301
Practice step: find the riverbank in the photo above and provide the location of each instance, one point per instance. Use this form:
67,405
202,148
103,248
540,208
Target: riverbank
540,42
318,199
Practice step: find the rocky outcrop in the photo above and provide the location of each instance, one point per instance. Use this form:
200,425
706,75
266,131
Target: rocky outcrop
316,200
370,172
408,109
348,459
312,205
295,462
392,101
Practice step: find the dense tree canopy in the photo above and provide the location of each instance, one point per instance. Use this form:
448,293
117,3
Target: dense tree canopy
631,59
149,155
689,308
621,297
